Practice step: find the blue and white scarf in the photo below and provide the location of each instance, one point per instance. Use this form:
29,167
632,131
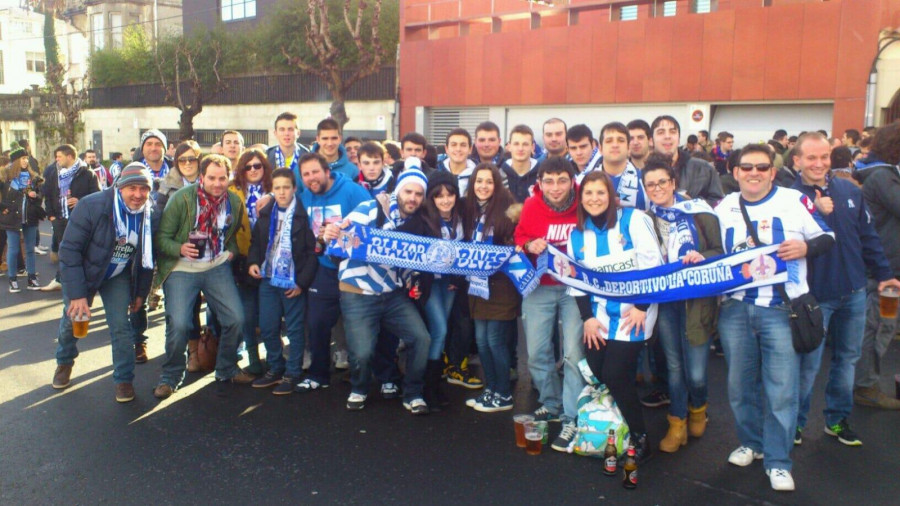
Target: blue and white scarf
279,159
163,169
64,177
279,263
379,185
254,192
478,285
682,236
593,164
630,188
128,225
427,254
21,183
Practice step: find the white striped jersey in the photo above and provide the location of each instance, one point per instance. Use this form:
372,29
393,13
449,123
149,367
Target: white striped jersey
629,246
781,215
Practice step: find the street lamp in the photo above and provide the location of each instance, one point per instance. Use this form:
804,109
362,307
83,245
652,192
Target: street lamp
884,41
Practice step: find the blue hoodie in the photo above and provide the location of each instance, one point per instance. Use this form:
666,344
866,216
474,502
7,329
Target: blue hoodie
342,164
857,250
332,206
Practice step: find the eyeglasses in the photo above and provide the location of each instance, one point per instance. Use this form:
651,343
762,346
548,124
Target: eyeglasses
253,166
662,183
188,159
760,167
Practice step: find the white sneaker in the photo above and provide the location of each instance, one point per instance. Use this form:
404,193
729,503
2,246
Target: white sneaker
341,360
40,251
53,286
781,480
744,456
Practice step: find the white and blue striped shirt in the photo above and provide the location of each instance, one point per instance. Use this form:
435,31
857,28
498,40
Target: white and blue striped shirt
629,246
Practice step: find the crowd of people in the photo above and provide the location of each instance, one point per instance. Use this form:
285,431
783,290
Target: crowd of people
247,231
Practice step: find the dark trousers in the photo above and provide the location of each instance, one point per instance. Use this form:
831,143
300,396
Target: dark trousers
323,308
460,330
615,365
59,227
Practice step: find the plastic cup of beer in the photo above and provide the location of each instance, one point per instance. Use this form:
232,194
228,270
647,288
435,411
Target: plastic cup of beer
80,325
533,438
888,301
519,421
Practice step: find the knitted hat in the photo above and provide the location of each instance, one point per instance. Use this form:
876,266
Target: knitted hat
135,173
440,178
16,154
152,133
411,175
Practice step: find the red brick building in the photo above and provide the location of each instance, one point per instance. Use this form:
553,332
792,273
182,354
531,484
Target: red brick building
747,66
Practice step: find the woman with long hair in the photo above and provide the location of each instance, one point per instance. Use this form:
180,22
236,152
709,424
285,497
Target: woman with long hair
688,232
252,180
20,214
493,302
442,209
608,239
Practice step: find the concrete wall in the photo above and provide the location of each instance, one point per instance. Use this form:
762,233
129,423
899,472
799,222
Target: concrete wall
121,127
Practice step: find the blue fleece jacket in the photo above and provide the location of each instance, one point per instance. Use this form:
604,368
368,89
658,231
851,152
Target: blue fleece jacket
332,206
843,268
342,164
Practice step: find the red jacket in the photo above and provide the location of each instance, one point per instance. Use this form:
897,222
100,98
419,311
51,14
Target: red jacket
538,221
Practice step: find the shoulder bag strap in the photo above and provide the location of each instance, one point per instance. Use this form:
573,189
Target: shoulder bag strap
752,231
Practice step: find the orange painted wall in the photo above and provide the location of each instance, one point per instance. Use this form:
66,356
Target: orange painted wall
793,50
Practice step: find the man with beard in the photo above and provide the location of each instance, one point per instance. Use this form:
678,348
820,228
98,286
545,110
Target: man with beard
373,296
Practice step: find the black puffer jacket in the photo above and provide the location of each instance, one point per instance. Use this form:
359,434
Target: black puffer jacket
17,209
83,184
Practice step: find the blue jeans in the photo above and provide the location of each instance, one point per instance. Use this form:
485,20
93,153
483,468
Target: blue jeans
273,305
492,339
437,310
181,290
116,296
323,310
763,378
845,319
13,244
539,318
686,363
250,301
364,316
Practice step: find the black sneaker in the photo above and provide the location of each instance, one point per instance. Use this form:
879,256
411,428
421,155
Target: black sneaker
268,380
286,386
798,436
656,399
356,402
566,435
844,433
14,286
33,283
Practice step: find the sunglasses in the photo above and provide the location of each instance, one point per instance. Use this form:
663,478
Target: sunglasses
760,167
253,166
188,159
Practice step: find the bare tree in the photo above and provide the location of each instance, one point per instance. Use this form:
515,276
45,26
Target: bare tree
327,61
189,70
62,100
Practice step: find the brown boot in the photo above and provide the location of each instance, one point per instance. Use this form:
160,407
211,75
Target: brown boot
140,353
676,437
193,364
697,420
61,376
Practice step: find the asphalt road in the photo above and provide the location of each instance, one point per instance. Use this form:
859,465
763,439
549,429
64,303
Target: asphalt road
81,447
